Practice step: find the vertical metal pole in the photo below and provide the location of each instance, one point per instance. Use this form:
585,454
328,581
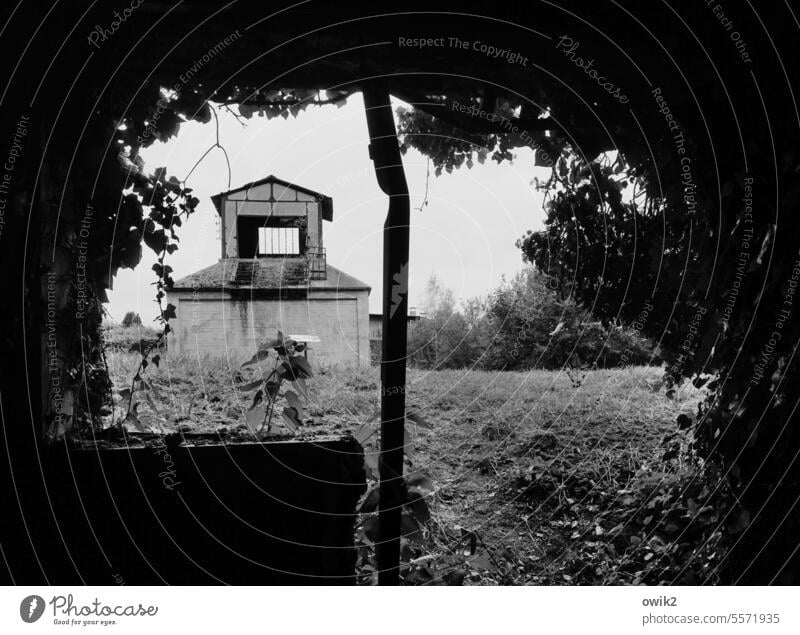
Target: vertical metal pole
385,154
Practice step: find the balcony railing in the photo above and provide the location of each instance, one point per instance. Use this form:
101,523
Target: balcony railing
316,264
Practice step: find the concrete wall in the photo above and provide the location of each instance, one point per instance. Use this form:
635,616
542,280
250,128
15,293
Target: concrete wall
220,512
213,323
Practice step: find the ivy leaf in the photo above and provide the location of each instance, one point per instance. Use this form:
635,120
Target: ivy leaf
272,389
258,399
363,433
408,441
684,422
370,503
301,364
371,464
300,385
294,402
168,125
291,419
416,502
421,483
246,110
261,354
249,386
483,561
418,420
254,418
410,529
156,240
285,369
133,418
371,528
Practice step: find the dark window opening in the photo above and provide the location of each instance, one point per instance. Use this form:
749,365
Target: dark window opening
258,236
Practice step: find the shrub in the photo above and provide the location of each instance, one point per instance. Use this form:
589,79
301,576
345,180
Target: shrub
131,319
133,338
445,337
523,324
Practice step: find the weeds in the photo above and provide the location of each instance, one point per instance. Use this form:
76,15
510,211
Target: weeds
536,481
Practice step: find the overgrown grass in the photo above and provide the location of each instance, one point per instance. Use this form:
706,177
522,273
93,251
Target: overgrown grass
557,474
127,338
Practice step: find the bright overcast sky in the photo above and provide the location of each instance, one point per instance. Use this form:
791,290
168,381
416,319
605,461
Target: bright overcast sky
465,235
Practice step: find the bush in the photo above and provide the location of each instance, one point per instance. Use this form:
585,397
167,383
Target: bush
445,337
521,325
532,327
133,338
131,319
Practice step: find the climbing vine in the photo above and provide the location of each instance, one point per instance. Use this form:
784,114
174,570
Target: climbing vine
150,207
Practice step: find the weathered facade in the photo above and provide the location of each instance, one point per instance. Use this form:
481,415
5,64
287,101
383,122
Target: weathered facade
376,331
272,276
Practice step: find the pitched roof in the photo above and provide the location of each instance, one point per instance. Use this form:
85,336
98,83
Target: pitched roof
265,273
338,279
326,201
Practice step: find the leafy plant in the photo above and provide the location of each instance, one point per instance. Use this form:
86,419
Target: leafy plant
430,553
289,365
418,490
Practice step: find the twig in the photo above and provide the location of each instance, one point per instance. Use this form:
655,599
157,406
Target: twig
427,183
239,118
217,144
137,375
268,415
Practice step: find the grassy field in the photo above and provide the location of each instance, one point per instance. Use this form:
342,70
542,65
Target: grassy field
547,470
